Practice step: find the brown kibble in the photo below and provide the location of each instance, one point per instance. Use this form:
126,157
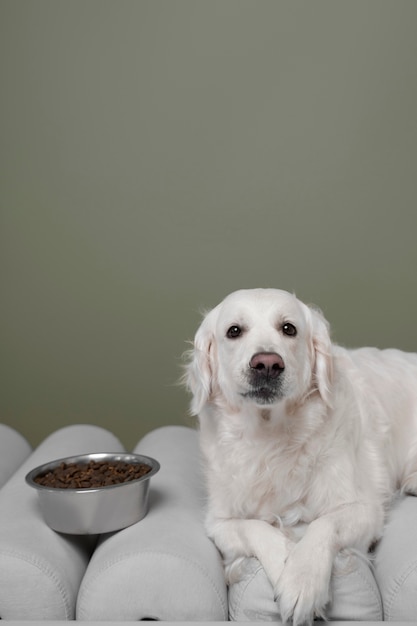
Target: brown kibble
92,475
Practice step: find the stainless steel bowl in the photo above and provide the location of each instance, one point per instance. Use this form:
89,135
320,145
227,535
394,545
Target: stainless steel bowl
95,510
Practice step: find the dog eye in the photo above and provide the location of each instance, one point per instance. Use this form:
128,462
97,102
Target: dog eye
289,329
233,332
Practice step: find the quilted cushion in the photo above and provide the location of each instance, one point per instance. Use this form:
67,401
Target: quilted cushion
41,570
164,567
396,561
13,451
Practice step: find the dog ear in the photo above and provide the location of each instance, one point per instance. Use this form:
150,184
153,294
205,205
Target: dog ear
322,354
200,369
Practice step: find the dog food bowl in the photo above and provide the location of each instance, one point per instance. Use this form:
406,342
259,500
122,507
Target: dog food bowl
78,507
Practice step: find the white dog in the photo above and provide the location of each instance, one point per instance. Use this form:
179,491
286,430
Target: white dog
304,442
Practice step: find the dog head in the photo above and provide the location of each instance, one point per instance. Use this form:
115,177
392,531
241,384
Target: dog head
262,346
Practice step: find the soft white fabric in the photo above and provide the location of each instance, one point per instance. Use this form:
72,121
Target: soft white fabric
13,451
41,570
164,567
396,562
354,592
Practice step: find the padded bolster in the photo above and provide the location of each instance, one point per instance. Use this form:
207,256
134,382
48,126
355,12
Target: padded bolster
164,567
354,593
396,561
13,451
40,569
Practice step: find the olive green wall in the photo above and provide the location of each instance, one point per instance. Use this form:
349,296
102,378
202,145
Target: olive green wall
157,154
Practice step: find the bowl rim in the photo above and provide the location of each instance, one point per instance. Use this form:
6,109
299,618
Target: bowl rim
127,457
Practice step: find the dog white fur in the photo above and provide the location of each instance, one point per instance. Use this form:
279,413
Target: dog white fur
304,442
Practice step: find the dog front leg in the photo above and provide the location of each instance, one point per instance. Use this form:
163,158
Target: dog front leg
303,588
237,538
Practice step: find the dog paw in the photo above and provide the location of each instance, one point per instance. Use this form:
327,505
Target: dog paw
236,570
409,486
302,591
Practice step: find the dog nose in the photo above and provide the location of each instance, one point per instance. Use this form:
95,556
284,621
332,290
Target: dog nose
267,364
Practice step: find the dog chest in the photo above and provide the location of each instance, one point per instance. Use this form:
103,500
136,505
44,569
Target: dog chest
249,482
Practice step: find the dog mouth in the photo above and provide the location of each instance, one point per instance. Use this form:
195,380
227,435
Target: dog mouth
263,394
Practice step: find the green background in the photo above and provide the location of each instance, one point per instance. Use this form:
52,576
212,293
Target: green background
158,154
